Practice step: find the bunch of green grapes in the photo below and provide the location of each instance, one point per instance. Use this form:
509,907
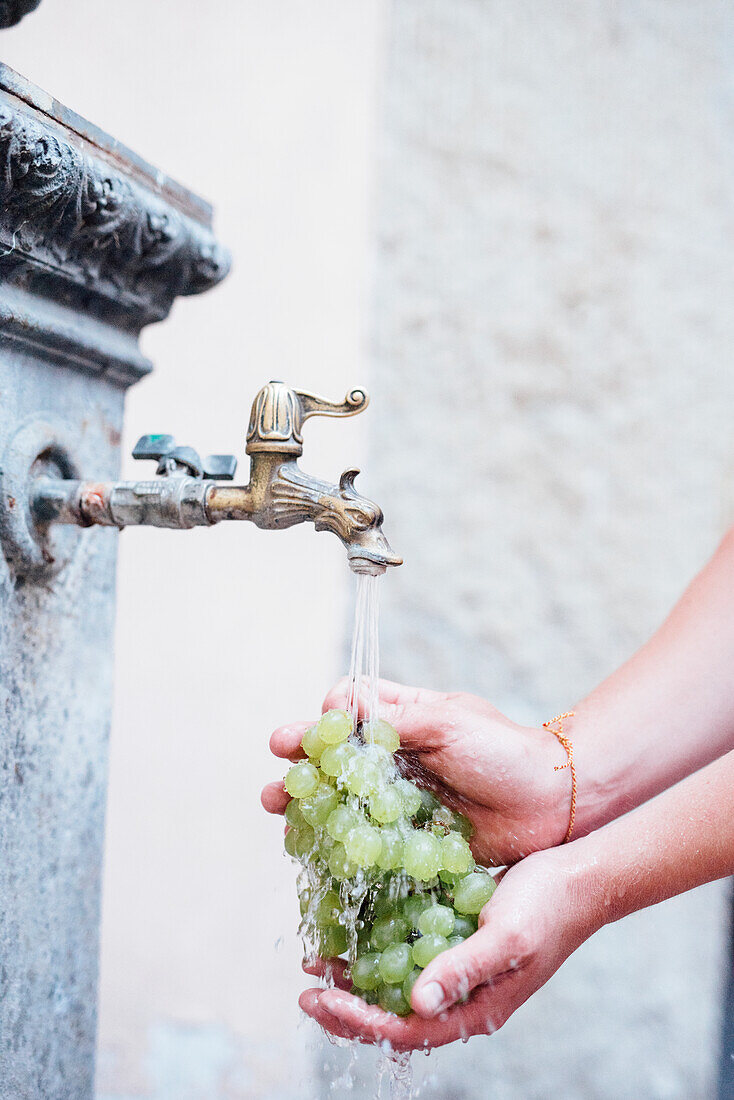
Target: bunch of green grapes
388,878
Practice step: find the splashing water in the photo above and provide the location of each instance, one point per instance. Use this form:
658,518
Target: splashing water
386,870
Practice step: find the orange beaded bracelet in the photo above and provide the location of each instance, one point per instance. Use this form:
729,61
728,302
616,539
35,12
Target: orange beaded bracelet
568,746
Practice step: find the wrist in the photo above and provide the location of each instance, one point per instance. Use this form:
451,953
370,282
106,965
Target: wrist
602,775
585,881
551,783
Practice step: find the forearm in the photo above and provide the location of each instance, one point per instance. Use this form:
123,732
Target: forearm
679,840
668,711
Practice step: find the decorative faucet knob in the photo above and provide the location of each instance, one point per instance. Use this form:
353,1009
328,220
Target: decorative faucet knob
279,411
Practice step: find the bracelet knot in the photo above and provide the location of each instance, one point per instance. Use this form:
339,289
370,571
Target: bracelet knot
568,746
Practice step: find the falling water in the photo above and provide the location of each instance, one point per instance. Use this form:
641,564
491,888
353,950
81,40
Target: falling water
364,667
364,673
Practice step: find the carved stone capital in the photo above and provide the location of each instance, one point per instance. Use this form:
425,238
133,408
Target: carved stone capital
89,226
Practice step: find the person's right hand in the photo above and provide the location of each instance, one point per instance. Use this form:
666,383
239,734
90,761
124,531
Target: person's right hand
541,912
499,774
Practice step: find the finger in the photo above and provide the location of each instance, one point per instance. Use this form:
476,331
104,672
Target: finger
422,726
371,1024
274,797
286,741
389,692
454,974
336,698
310,1004
333,970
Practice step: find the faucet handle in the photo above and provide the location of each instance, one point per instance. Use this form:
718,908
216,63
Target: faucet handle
177,460
278,413
220,467
153,446
311,405
171,459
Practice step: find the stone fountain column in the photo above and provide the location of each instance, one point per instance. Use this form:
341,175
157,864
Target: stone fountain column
94,245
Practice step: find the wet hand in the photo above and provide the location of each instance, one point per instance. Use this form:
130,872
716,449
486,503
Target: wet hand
538,916
499,774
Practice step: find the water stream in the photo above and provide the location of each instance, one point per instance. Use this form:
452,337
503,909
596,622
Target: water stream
364,673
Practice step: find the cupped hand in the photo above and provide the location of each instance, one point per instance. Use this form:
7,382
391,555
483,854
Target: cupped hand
539,915
499,774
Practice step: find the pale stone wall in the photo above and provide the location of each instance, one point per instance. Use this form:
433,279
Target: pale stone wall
554,333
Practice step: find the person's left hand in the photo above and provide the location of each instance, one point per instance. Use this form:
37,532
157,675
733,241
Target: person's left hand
541,912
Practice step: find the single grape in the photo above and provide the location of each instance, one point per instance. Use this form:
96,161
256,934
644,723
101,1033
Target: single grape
312,744
294,815
289,843
422,857
302,780
363,776
410,795
339,864
414,906
463,825
382,733
363,845
386,805
319,805
332,941
429,805
328,910
335,759
334,727
410,982
341,821
388,930
391,999
391,851
439,919
464,926
427,947
455,940
473,893
365,972
456,854
396,962
305,841
382,902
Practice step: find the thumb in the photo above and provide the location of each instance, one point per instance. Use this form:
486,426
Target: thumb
419,716
454,974
421,726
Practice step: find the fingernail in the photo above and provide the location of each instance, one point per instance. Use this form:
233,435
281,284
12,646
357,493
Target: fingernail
433,997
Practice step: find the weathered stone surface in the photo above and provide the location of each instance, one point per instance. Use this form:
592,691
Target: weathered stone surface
554,447
55,689
91,250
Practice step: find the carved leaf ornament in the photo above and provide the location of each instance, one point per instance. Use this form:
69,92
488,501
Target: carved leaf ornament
64,208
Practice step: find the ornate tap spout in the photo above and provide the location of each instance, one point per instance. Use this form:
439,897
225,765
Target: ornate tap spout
187,491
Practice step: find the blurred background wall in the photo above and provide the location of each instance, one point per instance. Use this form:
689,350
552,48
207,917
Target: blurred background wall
553,336
538,293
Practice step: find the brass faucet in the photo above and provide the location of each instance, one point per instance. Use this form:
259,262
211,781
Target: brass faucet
187,491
